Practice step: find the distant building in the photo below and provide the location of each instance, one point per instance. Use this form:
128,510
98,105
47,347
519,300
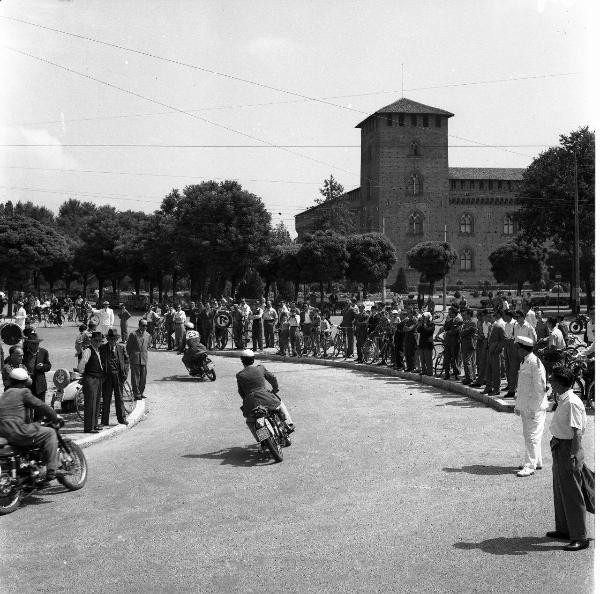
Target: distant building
409,192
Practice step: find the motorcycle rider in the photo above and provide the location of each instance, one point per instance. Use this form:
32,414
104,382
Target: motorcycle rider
194,350
252,389
13,410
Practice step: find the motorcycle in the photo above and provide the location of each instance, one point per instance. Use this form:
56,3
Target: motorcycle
271,432
578,324
200,366
20,473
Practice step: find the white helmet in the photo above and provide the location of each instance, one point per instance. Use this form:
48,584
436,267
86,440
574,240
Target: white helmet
19,374
247,354
189,325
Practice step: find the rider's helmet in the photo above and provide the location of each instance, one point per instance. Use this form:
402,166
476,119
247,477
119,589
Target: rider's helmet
189,325
247,357
19,376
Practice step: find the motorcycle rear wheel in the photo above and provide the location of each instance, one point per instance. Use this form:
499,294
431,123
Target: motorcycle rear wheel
73,464
274,447
575,327
9,503
211,374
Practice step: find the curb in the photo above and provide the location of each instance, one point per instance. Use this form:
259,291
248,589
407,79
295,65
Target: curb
498,404
134,418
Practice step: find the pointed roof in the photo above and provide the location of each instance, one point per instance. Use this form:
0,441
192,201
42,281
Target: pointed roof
405,105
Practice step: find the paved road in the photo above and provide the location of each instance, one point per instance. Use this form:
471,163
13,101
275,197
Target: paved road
387,488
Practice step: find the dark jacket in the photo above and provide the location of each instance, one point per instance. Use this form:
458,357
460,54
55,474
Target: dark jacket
122,359
253,389
38,376
426,331
137,347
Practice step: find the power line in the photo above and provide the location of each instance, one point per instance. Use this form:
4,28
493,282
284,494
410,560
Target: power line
245,146
176,109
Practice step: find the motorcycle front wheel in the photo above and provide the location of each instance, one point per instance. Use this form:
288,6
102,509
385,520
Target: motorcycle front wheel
9,503
575,327
73,465
211,374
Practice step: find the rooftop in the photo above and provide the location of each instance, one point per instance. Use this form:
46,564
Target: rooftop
502,173
405,105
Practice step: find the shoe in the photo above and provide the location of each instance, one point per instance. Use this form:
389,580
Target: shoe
509,395
446,377
290,427
98,427
521,466
144,397
92,431
526,471
495,393
486,391
287,442
466,382
125,422
476,385
577,545
557,535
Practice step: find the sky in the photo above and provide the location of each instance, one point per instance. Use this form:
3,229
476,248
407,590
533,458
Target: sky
269,92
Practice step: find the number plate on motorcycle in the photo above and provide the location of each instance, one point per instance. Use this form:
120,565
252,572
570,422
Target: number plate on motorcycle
263,433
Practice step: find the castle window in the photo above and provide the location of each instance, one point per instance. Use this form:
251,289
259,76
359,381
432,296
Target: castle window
415,224
462,184
389,120
481,184
490,184
472,185
466,224
499,185
509,186
413,120
400,119
425,121
466,260
438,121
453,184
414,148
509,226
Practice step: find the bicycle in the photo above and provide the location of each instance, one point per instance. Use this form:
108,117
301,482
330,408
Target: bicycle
340,342
128,401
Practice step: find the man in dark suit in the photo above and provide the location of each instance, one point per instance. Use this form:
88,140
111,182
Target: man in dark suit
37,362
90,366
115,364
137,349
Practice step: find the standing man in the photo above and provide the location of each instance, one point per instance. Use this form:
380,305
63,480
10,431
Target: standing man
294,321
20,315
468,342
451,330
237,321
115,363
495,343
179,325
362,323
567,427
124,315
90,365
106,317
269,319
137,349
169,326
347,326
511,359
37,361
425,329
531,404
483,330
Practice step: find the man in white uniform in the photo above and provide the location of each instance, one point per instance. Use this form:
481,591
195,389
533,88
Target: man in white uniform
531,404
106,318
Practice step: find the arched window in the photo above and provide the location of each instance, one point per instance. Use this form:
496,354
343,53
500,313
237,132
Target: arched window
415,150
509,227
466,260
414,184
415,224
466,224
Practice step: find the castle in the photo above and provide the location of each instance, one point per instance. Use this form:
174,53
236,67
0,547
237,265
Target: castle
409,192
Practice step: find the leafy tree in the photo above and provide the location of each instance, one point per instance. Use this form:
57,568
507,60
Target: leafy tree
28,209
289,266
280,235
323,257
331,189
517,262
337,218
26,245
400,284
371,257
433,259
547,210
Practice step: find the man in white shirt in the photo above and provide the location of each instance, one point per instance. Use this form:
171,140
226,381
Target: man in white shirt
20,315
530,316
106,318
245,309
567,427
531,404
269,318
511,358
556,340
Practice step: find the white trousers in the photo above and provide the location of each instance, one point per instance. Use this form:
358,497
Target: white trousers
533,429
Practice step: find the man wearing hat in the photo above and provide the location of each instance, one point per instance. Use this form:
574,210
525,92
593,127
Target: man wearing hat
106,317
37,361
90,366
137,349
362,322
531,404
115,364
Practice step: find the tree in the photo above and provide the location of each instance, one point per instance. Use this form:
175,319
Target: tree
337,218
400,284
28,209
331,189
323,257
371,257
433,259
517,262
26,245
547,210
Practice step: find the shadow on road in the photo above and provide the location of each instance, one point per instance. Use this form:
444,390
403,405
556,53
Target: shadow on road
180,378
234,456
511,546
463,403
481,469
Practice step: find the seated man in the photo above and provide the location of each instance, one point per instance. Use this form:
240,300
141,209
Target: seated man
252,388
14,405
194,350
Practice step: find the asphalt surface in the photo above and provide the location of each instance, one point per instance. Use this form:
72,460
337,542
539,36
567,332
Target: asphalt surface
388,487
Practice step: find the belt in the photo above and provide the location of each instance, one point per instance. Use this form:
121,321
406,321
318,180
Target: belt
559,439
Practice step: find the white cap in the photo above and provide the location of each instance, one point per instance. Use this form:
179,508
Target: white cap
189,325
525,340
427,315
247,354
19,374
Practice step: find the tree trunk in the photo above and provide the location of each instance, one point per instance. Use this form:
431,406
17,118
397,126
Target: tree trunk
174,280
136,284
84,284
322,292
431,287
161,282
115,287
100,289
151,292
9,311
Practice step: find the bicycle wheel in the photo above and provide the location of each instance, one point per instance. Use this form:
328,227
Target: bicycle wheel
128,399
370,351
438,318
438,365
337,345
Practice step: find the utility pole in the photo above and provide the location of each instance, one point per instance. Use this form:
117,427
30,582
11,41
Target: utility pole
576,242
383,282
444,277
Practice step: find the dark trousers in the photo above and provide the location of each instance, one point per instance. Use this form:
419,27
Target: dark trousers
124,332
36,415
138,379
426,358
482,354
569,504
493,369
399,350
468,357
221,337
294,340
451,354
269,325
92,392
170,339
512,364
284,341
349,342
112,383
361,337
237,335
410,349
257,337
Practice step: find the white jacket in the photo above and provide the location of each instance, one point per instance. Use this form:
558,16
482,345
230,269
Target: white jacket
531,386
